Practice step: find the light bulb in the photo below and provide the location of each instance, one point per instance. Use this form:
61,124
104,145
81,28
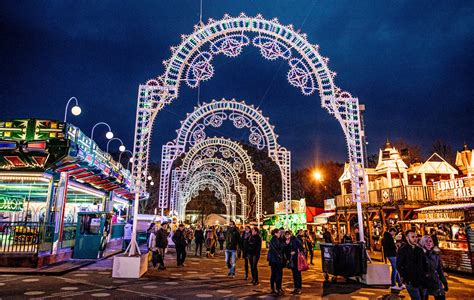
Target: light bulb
122,148
149,177
131,159
76,110
152,183
109,135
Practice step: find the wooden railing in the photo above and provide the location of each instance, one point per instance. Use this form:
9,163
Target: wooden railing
410,193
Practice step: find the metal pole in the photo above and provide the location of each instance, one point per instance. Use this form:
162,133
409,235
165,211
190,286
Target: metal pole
67,105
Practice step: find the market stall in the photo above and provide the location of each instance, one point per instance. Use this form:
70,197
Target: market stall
454,227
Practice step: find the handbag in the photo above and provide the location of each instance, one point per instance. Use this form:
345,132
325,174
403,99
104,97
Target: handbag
302,263
290,264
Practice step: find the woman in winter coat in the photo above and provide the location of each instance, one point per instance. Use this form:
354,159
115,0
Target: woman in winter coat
434,282
292,247
253,253
276,262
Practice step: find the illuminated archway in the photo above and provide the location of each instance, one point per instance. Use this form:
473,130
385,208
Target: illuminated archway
191,62
192,130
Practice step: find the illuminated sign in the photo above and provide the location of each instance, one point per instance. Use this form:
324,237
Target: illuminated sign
329,204
454,188
444,214
296,206
10,204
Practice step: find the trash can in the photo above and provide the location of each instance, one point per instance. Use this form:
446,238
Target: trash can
347,260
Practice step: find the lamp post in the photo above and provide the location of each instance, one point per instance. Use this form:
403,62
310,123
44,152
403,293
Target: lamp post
131,158
121,148
109,135
75,110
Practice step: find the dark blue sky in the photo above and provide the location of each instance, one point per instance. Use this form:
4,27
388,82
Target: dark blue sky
410,62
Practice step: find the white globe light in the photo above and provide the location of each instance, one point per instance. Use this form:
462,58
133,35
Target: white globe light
131,159
122,148
109,135
76,110
149,177
152,183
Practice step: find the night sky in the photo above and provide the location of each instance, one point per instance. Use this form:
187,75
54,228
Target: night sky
409,62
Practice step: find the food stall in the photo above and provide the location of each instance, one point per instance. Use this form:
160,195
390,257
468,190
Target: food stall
454,226
296,215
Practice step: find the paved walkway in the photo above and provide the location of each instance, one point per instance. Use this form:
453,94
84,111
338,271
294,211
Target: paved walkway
200,278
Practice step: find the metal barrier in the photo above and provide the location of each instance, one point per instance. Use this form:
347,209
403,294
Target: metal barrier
33,237
23,237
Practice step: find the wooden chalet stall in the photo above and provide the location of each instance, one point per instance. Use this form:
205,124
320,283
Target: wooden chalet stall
394,191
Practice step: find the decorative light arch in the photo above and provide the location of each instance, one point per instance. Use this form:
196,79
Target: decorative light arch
212,185
196,180
228,149
262,135
218,166
191,62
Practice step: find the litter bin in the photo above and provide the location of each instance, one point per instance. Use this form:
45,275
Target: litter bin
347,260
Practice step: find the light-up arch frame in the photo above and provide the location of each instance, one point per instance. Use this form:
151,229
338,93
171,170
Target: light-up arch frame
219,166
192,130
229,150
196,180
191,62
216,187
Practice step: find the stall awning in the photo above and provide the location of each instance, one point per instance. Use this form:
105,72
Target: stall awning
432,221
326,215
458,206
323,218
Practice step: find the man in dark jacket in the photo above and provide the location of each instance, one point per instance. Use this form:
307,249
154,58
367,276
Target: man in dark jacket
198,239
232,241
390,252
180,242
411,265
253,253
162,244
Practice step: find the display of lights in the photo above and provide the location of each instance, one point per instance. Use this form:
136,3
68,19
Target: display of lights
192,61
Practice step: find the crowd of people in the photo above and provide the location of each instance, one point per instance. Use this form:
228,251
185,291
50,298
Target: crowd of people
416,264
285,249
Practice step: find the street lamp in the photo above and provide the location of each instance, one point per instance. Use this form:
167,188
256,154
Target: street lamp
75,110
109,133
317,176
121,148
130,160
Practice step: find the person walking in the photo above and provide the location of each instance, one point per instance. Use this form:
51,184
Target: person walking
253,253
327,236
152,247
411,264
390,252
434,281
245,246
221,238
211,240
198,239
292,247
232,241
161,241
180,242
189,237
276,261
309,245
127,234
